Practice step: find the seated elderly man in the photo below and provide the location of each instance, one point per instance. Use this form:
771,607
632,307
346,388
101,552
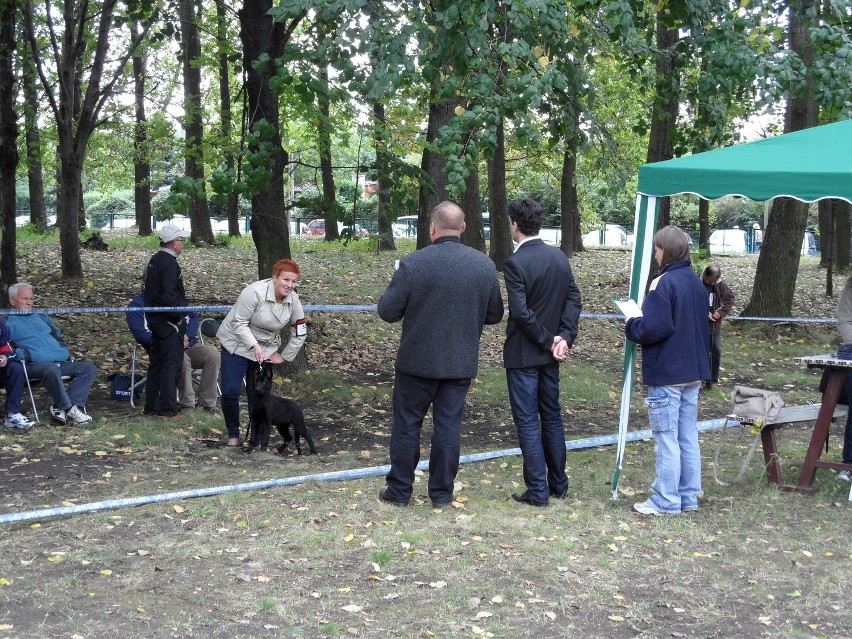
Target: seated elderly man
12,379
38,342
195,355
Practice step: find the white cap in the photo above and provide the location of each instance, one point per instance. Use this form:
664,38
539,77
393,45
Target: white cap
170,233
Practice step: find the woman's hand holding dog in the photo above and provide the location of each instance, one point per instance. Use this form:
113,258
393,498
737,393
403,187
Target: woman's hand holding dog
275,358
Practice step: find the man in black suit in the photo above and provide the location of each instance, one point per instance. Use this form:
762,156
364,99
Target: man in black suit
544,309
444,294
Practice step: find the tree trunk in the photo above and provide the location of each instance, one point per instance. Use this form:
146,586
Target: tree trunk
571,240
825,222
329,194
260,34
83,38
433,190
664,110
386,241
232,208
501,236
193,124
67,207
778,261
32,136
142,156
8,152
704,224
841,236
471,203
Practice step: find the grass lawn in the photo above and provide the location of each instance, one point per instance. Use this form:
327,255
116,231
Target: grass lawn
327,559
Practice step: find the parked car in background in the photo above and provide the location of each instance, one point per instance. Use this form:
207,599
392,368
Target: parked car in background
610,235
357,230
315,227
405,226
728,241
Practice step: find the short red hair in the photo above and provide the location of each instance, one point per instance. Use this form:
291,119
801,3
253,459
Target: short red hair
285,265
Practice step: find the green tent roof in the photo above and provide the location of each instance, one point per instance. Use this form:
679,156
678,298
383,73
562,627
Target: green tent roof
808,165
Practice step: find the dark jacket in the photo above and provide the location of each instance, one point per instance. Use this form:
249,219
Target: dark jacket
164,287
544,301
444,294
673,328
139,326
721,302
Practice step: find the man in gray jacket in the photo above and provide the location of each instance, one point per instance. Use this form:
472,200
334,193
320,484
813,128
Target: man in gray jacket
444,294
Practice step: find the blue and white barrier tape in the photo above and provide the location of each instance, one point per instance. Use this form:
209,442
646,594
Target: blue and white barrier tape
356,473
350,307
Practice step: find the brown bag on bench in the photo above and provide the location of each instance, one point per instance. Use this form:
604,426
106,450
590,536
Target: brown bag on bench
758,406
755,403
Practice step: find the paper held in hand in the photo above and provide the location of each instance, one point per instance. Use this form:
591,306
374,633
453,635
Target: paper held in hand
629,308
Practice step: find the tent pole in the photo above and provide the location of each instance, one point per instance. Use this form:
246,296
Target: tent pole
644,227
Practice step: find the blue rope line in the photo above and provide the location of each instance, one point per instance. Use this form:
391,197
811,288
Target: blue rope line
371,308
340,475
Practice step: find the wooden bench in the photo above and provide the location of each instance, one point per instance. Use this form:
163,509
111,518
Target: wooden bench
788,415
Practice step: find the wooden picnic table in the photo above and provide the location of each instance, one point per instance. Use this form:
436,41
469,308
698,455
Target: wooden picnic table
837,369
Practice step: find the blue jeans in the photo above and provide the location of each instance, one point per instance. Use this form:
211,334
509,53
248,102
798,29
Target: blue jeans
412,397
673,414
82,375
234,369
534,396
13,380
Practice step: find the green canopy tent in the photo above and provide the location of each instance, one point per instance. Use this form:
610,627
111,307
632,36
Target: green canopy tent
808,165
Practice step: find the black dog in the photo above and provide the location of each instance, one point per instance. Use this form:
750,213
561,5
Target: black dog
268,410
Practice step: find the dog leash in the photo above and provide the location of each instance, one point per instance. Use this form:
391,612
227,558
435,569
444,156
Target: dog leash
248,421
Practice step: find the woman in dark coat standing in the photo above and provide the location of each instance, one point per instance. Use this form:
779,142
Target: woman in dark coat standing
672,331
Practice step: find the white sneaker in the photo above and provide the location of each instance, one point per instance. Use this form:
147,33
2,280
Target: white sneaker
648,508
58,414
843,475
17,421
79,415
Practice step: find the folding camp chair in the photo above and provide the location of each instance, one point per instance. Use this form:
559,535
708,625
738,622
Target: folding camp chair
136,382
35,381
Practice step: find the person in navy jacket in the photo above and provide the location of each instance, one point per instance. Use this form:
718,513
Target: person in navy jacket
195,356
672,331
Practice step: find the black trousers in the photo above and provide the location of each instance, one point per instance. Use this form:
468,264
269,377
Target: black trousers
166,357
412,397
715,357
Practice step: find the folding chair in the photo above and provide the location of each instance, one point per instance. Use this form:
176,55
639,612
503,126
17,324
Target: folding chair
134,381
35,381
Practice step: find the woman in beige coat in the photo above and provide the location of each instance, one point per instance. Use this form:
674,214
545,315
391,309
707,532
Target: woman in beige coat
251,334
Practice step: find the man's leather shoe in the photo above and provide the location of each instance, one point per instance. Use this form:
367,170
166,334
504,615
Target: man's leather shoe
561,495
383,496
526,498
445,503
